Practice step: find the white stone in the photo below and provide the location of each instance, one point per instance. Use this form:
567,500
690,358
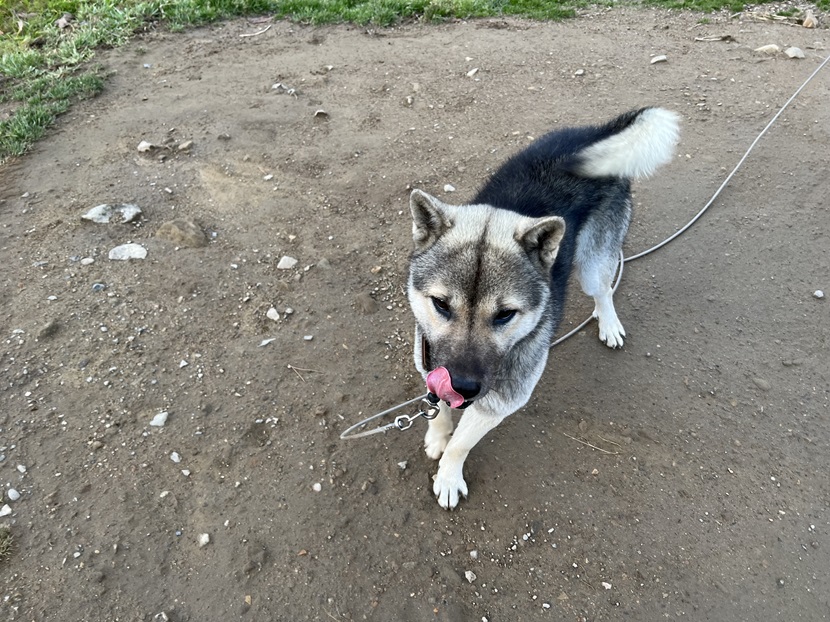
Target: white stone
21,468
768,49
87,261
128,251
286,263
175,457
472,72
204,539
661,58
818,294
12,494
794,52
159,420
449,188
5,510
470,576
272,314
104,213
317,487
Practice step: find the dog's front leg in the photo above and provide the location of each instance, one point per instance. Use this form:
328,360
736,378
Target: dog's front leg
449,481
438,434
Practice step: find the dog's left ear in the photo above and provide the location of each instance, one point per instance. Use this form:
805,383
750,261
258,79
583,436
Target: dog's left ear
541,240
429,221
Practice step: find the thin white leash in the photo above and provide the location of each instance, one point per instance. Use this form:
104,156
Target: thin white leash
404,422
684,228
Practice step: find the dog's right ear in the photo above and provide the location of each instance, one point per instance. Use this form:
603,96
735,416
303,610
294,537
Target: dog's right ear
429,219
541,240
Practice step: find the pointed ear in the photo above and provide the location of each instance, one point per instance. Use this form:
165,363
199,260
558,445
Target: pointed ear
429,219
541,240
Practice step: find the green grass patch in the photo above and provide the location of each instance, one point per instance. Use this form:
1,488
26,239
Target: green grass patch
42,64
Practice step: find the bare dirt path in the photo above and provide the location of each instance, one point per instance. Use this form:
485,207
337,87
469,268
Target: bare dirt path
713,502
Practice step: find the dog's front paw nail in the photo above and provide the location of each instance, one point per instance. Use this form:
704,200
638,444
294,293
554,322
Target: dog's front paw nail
612,336
435,443
448,487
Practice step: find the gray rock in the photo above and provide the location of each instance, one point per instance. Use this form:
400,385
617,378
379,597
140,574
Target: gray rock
182,233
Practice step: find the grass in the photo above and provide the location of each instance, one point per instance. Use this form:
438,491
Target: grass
5,542
44,67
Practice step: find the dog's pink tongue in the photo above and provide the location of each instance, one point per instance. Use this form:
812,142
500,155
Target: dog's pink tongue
440,383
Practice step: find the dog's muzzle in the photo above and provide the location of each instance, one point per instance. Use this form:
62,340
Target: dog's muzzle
441,386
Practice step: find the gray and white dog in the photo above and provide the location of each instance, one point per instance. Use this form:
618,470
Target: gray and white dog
487,280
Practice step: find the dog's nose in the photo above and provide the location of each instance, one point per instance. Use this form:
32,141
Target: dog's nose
466,387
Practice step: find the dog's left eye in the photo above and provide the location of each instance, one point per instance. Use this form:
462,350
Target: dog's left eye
441,306
503,317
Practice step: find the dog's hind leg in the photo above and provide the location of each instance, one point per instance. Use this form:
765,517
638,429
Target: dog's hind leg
597,255
438,434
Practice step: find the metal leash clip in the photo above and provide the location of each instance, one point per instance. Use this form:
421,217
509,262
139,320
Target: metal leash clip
401,422
404,422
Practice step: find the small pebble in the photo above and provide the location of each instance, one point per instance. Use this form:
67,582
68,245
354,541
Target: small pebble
175,457
470,576
794,52
204,539
661,58
402,465
272,314
12,494
317,487
818,294
159,420
21,468
98,287
474,554
308,337
186,472
449,188
5,510
579,72
87,261
286,263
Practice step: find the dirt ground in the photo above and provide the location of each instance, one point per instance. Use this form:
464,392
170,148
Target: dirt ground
708,498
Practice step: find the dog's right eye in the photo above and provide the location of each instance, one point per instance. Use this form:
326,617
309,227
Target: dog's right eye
441,306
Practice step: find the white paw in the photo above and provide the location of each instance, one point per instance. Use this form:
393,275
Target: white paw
435,442
448,485
612,334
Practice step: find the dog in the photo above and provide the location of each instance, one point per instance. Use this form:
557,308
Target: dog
487,280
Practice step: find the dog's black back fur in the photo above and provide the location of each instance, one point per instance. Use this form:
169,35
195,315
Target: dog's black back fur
542,181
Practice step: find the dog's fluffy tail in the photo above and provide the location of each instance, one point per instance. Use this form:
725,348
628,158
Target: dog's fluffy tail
633,145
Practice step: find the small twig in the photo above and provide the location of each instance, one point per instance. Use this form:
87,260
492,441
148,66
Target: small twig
315,371
579,440
294,369
258,32
297,371
612,442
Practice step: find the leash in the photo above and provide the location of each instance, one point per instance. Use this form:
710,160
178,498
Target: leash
404,422
401,422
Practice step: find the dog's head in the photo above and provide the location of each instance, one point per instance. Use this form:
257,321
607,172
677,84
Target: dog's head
479,284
